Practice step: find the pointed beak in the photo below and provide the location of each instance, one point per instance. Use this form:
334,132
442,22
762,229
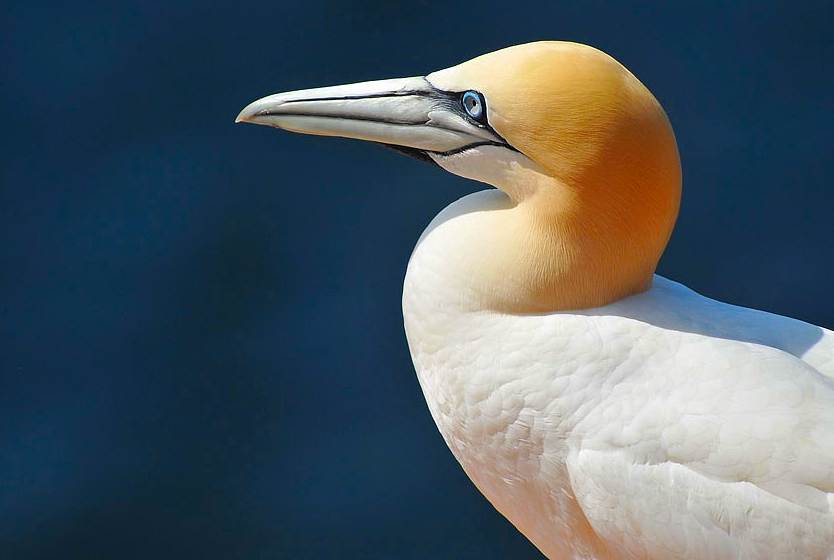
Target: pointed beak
405,113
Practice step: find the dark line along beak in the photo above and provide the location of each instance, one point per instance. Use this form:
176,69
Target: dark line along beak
407,114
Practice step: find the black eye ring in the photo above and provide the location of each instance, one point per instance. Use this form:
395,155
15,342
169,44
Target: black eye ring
474,105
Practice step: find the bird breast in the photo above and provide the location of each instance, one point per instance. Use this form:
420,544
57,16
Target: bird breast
505,418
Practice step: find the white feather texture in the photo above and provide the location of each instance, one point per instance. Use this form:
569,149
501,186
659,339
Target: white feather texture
678,426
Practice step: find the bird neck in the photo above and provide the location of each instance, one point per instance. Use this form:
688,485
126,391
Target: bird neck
521,253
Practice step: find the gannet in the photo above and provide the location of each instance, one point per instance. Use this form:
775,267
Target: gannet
606,411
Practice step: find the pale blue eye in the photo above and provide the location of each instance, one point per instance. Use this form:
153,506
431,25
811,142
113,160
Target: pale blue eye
473,104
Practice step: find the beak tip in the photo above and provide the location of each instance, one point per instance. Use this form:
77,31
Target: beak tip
243,116
250,113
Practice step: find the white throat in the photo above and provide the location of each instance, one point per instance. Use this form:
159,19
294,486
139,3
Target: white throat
511,171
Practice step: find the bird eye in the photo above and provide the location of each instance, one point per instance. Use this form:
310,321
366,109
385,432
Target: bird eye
473,104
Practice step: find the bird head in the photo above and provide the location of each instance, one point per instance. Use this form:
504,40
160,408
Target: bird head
582,149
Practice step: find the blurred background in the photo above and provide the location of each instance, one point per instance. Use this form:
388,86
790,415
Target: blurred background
202,346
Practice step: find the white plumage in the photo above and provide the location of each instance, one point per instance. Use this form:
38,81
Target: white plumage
676,425
607,412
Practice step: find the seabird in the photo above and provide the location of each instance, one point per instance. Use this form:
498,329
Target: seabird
606,411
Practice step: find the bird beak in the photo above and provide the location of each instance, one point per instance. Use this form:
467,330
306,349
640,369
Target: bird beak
407,114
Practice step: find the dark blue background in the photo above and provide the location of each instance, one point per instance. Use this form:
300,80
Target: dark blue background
202,347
